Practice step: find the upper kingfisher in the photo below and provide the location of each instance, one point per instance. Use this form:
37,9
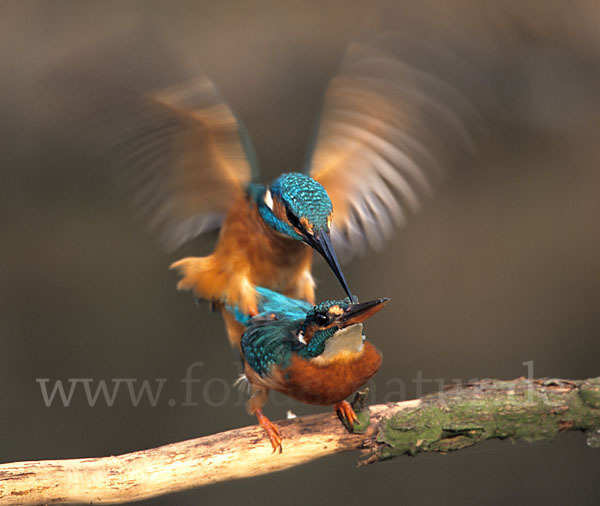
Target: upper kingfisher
266,239
193,169
315,354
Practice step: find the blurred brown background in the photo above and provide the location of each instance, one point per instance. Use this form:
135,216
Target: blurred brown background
500,268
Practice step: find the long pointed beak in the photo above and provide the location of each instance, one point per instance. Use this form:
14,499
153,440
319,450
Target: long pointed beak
322,243
357,313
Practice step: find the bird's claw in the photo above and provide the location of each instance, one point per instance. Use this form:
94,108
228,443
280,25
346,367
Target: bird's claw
271,430
346,413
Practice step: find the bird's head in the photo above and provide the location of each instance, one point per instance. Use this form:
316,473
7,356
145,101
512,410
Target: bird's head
332,318
298,207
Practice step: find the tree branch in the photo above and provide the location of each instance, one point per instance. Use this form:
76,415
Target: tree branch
458,417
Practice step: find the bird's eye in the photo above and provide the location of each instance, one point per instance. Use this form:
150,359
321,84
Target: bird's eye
292,218
321,319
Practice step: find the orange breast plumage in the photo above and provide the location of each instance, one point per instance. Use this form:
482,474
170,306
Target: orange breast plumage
327,382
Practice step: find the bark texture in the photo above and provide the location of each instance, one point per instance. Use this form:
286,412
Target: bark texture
456,418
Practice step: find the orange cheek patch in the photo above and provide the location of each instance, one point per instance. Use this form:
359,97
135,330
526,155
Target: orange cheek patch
307,225
336,310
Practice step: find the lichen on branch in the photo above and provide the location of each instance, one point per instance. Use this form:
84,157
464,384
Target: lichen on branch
520,409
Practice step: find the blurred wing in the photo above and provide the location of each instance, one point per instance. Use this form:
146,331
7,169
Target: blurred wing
183,152
385,127
207,159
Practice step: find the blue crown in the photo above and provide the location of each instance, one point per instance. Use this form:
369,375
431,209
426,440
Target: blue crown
323,307
305,198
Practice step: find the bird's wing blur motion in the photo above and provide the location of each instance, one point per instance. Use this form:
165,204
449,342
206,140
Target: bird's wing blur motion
385,128
388,126
211,161
184,153
193,157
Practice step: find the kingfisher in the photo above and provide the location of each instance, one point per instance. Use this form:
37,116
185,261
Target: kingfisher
374,154
267,238
314,354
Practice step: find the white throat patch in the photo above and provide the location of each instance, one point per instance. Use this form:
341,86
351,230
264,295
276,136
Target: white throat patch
268,199
300,337
348,341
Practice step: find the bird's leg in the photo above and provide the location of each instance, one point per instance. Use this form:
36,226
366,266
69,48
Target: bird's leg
270,428
304,284
345,413
243,293
255,403
234,328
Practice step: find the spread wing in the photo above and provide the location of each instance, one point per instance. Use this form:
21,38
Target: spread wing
202,158
386,132
183,152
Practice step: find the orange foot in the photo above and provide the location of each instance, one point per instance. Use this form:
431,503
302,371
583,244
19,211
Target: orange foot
346,413
271,429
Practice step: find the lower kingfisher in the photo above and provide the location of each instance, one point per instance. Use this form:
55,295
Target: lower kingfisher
314,354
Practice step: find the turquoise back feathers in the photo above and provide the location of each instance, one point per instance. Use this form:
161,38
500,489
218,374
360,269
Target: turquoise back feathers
305,198
270,302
